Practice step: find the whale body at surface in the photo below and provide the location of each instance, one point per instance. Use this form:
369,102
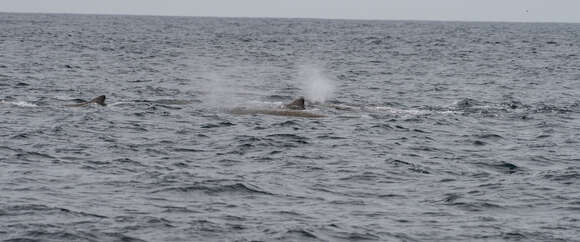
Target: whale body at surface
277,112
295,108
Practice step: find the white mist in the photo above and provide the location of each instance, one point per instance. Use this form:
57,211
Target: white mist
317,86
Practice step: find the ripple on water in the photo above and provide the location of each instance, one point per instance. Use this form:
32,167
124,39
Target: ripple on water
410,166
567,176
32,209
291,138
501,167
216,188
65,235
217,125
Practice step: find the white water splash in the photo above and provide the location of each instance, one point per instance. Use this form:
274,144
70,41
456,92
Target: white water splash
317,86
21,104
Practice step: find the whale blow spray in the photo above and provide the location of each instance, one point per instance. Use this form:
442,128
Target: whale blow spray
316,85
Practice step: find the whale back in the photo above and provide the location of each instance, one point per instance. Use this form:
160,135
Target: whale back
277,112
98,100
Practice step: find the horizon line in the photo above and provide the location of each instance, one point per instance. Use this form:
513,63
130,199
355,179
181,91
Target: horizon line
305,18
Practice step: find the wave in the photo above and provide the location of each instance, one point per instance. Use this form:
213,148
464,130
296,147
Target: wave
217,189
20,104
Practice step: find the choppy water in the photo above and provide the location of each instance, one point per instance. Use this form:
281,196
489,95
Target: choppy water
456,131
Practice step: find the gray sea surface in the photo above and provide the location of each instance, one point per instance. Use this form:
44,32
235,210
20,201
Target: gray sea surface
433,131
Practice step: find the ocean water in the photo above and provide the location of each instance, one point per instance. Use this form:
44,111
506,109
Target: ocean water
433,131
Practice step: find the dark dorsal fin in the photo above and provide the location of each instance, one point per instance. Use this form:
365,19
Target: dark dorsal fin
99,100
297,104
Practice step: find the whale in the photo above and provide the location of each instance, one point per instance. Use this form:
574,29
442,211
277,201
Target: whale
100,100
277,112
295,108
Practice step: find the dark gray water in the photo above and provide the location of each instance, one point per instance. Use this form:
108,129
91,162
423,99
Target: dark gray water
452,131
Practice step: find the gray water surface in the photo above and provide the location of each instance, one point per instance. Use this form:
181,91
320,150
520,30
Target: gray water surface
454,131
